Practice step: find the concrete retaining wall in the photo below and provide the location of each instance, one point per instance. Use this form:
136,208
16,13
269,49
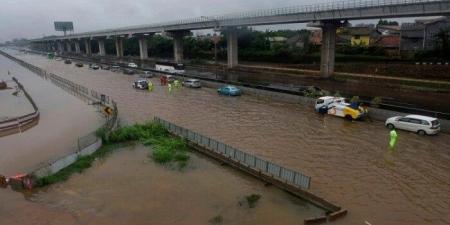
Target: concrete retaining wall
65,161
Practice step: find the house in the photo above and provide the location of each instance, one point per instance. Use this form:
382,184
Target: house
390,43
389,29
422,34
276,40
363,36
297,41
315,37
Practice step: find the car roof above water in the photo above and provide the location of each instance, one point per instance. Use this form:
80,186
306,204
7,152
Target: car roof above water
427,118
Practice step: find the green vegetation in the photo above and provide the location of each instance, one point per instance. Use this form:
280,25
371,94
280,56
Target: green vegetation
376,102
252,200
311,92
167,149
216,220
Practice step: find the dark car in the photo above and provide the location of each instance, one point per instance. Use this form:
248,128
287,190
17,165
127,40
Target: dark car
67,61
128,71
95,67
78,64
115,68
146,74
105,67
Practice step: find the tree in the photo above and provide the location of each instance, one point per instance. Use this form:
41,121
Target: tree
443,42
382,22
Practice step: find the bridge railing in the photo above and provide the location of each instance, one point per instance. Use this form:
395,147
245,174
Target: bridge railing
218,19
242,158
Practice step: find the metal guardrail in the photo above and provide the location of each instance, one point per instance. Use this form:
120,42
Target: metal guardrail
259,165
15,125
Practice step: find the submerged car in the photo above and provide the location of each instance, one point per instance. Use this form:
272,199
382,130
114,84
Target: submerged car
169,78
78,64
94,66
146,74
67,61
105,67
421,125
115,68
192,83
338,107
229,90
140,84
132,65
128,71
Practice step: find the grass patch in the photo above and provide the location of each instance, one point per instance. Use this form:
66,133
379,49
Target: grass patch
167,149
252,200
216,220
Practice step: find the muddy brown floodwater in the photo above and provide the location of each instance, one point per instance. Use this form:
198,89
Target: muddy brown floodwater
348,161
126,188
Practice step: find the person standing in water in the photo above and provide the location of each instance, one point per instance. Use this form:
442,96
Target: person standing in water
393,139
150,86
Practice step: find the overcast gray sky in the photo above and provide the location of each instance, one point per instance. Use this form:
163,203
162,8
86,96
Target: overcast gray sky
34,18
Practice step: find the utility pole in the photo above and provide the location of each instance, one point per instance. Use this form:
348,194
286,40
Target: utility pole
215,39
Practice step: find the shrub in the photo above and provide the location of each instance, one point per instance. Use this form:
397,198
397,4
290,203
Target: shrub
376,102
252,200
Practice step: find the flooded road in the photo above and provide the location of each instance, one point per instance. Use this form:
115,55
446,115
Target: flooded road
348,161
128,188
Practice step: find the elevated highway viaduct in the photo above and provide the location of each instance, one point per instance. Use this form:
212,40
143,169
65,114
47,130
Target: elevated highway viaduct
327,16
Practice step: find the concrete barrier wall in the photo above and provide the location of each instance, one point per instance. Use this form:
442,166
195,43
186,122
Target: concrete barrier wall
65,161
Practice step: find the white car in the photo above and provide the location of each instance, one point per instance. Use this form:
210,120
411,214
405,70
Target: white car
192,83
132,65
415,123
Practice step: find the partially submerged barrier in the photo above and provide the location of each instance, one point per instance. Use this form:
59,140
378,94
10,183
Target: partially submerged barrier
286,179
21,123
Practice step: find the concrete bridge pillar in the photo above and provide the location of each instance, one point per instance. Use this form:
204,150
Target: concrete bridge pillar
68,46
232,47
327,57
178,43
52,46
60,46
101,47
143,48
87,46
49,46
77,47
178,48
119,47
